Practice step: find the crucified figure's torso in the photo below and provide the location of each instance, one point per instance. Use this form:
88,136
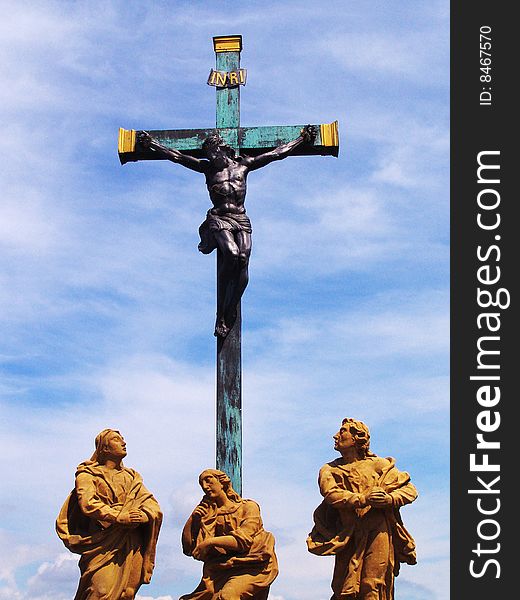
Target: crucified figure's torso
227,226
227,188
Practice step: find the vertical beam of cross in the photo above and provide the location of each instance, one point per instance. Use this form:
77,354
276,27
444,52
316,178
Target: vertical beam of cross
245,140
229,349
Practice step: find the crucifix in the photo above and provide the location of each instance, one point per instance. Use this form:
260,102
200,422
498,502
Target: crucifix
225,155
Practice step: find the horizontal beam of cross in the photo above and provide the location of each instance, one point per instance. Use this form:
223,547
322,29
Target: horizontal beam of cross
247,140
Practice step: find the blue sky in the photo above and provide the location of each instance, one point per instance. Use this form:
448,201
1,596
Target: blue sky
107,307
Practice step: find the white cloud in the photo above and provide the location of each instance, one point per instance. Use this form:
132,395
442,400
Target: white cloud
379,52
56,580
14,555
23,224
384,326
342,228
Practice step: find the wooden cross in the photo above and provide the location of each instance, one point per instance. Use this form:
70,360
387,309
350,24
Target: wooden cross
252,141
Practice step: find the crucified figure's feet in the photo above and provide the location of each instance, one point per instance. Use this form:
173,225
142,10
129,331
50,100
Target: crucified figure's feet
221,329
225,324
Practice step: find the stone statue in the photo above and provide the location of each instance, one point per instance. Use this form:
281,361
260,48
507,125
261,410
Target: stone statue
113,521
227,227
358,520
226,533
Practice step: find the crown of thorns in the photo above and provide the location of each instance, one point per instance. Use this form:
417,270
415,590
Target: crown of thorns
214,141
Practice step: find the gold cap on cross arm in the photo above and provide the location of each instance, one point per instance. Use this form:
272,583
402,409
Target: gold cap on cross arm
126,142
227,43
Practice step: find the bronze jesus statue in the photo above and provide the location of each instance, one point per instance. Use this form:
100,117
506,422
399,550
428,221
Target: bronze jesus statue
227,227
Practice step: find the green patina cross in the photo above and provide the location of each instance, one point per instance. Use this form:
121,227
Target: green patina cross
250,141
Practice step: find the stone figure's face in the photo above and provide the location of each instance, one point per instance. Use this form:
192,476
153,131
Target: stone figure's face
211,486
115,445
343,439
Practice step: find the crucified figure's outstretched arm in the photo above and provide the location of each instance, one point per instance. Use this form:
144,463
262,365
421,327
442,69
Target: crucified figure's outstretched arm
307,136
148,142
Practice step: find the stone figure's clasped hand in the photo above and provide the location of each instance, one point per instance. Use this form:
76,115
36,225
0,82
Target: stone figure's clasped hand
138,516
144,139
309,133
378,498
132,518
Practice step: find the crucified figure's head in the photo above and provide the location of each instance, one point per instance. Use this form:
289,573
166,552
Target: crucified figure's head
214,146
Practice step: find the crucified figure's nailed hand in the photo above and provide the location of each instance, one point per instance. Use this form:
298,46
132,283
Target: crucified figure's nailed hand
227,227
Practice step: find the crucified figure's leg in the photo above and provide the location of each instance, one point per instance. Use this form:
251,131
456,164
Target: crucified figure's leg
227,281
243,242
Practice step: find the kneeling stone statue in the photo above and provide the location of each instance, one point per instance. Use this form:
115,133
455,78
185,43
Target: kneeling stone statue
226,533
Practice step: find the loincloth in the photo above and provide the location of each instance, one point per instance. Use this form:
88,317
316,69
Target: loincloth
227,222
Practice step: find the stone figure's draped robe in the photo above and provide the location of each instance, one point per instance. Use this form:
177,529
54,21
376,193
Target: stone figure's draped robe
86,525
247,571
346,529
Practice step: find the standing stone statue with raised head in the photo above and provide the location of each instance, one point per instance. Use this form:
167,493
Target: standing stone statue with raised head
226,533
113,521
358,521
227,227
